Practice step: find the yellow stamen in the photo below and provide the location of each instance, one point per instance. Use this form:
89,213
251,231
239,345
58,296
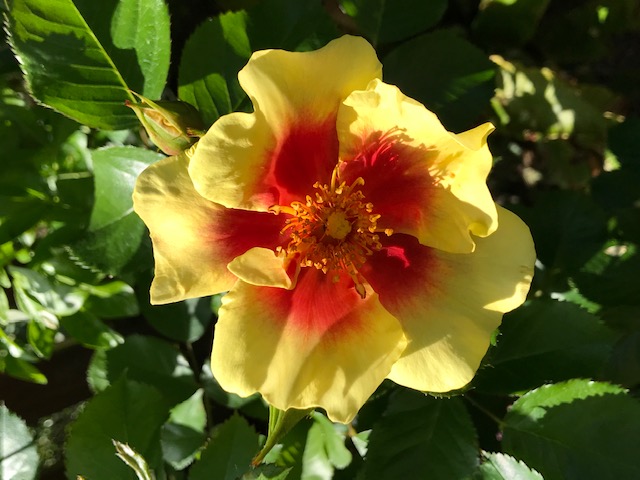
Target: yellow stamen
334,230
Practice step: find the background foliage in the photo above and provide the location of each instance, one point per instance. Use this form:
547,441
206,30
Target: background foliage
85,358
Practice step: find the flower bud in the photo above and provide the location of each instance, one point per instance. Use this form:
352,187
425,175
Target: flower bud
173,126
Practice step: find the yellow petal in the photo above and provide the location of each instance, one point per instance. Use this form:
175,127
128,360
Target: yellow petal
262,267
318,345
450,330
421,179
274,155
193,238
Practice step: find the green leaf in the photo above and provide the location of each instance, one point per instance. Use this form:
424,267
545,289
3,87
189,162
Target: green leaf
384,21
498,466
455,81
572,235
36,292
508,22
115,231
185,321
210,82
624,365
127,411
229,452
19,215
290,25
430,435
18,452
544,341
90,331
116,170
576,429
154,362
183,435
610,277
97,372
267,472
625,143
22,369
111,300
324,449
82,59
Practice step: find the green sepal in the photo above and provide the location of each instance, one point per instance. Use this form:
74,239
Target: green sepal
173,126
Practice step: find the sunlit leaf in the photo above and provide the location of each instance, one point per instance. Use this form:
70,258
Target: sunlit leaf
498,466
576,429
18,452
82,58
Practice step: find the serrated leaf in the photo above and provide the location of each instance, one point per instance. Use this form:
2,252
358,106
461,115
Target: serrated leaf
324,449
18,452
83,58
545,341
97,372
576,429
210,82
430,435
456,82
498,466
127,411
267,472
183,435
384,21
229,452
154,362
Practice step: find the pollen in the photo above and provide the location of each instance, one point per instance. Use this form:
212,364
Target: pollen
334,231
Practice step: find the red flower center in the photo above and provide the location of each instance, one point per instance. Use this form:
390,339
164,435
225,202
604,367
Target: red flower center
334,231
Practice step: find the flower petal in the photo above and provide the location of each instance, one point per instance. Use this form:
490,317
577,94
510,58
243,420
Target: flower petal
275,155
449,304
193,238
421,179
262,267
318,345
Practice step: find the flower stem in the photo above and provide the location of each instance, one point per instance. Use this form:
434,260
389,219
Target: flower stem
280,422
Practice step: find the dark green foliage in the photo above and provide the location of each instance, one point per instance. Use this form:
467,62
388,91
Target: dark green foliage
557,78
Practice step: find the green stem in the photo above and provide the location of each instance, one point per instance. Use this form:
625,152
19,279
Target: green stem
280,422
484,410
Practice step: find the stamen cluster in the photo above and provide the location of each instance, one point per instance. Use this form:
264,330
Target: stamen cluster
334,231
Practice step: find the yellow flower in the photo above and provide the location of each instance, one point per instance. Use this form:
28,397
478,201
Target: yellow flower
356,236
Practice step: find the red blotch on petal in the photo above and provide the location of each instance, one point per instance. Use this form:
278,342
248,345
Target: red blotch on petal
233,232
317,306
305,153
403,271
396,177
